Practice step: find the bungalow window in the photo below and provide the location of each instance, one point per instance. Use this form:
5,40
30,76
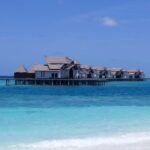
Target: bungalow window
100,76
53,75
42,74
56,75
89,75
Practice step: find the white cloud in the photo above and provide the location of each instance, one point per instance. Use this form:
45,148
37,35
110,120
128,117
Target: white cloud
108,21
95,18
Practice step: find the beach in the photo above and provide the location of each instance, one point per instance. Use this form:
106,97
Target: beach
113,116
125,142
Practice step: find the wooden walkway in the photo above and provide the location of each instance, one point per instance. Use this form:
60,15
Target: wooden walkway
60,82
54,82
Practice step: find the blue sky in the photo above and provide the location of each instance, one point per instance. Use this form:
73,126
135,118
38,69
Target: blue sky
113,33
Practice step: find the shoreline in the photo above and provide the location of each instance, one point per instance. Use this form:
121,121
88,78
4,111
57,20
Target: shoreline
129,141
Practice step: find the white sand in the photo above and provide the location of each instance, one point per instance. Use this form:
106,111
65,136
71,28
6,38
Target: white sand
135,141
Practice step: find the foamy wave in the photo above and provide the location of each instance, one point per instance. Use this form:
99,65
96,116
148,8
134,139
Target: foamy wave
86,143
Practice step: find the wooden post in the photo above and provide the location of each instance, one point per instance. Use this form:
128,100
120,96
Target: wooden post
6,82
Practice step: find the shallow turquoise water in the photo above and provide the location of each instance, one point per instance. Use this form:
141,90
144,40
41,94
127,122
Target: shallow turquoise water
31,114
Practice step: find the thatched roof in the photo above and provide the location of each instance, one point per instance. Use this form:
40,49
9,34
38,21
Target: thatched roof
21,69
116,69
76,62
87,67
133,71
124,70
58,60
39,67
84,71
99,68
113,73
55,66
130,72
70,66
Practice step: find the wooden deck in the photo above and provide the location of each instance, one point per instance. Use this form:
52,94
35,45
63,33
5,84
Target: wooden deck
60,82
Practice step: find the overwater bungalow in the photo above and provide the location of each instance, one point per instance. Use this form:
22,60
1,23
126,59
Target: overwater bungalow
102,72
136,74
40,71
22,72
55,67
116,73
119,73
68,71
85,71
96,72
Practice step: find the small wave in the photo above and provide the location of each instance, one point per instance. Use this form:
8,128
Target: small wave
86,143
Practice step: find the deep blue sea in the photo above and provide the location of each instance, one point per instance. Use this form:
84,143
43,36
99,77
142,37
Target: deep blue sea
114,116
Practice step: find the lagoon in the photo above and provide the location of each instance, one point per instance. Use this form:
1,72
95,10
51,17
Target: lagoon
94,117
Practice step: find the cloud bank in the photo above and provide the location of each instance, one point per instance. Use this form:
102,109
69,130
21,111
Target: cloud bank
108,21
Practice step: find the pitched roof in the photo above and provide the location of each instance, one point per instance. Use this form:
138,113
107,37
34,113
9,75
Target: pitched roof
116,69
83,71
21,69
70,66
58,60
133,71
55,66
76,62
99,68
85,66
39,67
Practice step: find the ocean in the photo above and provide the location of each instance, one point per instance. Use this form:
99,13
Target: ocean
115,116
